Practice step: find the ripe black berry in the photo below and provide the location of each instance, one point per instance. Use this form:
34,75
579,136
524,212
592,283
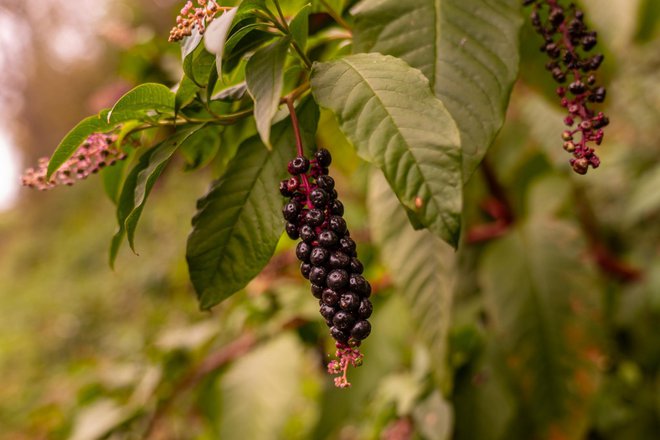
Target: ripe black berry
356,266
284,188
317,275
318,197
307,233
361,330
348,246
365,309
291,211
303,251
327,239
349,301
326,182
323,158
305,269
337,224
292,231
337,279
319,256
339,260
343,320
338,335
337,208
299,165
317,291
330,297
327,311
359,285
314,217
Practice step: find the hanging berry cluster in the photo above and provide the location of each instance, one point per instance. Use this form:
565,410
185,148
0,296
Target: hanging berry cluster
328,257
567,43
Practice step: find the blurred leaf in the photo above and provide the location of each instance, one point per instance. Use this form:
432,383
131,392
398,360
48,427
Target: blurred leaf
263,75
422,267
249,412
95,421
468,49
299,26
200,148
649,17
216,36
112,177
387,110
535,284
434,418
75,138
142,100
239,222
190,43
645,198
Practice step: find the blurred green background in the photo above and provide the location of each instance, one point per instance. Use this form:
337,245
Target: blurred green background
87,352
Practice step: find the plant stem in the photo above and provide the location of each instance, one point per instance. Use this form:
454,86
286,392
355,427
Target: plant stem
336,16
294,123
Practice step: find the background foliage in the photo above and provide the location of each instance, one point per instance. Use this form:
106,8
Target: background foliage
550,328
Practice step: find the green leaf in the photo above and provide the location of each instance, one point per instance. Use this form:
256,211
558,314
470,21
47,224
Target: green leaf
186,93
387,110
73,140
299,26
264,78
216,36
197,65
190,43
421,266
141,101
648,19
468,49
538,292
233,93
644,200
138,185
200,148
112,177
239,222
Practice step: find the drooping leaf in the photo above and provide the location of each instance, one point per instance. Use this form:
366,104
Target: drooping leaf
299,26
468,49
200,148
233,93
138,185
216,36
112,178
142,100
239,222
264,78
197,65
421,266
540,295
387,110
190,43
74,139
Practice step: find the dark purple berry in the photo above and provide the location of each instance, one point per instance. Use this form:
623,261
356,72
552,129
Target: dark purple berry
330,297
319,256
317,275
343,320
307,233
299,165
359,285
347,245
360,330
326,182
292,231
337,224
349,301
291,211
337,208
589,42
577,87
356,266
284,188
339,260
337,279
328,239
365,309
318,197
293,184
338,335
314,217
323,158
303,251
305,269
317,290
327,311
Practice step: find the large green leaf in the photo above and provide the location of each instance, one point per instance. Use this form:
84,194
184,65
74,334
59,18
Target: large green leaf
540,295
387,110
421,265
468,49
216,36
144,99
264,78
74,139
239,222
138,185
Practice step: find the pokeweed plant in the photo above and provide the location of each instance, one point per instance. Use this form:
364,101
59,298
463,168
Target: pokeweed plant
419,88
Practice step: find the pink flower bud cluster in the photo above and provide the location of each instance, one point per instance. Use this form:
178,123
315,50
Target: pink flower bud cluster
98,151
192,16
346,355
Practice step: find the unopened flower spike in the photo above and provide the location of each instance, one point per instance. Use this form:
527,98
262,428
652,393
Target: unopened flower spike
98,151
191,17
